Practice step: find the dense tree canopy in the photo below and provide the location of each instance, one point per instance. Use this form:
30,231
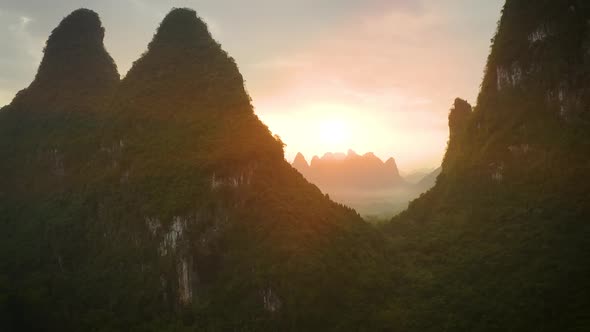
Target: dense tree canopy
161,202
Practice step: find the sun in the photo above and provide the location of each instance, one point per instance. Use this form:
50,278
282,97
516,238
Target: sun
334,133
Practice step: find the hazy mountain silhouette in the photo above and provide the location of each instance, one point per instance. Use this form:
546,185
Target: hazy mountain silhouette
300,163
349,171
429,180
168,204
373,187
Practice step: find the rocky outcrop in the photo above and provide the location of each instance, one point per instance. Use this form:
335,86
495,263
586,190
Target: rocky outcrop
508,77
272,303
459,117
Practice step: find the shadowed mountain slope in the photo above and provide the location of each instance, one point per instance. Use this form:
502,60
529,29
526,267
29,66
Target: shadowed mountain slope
169,205
503,237
161,202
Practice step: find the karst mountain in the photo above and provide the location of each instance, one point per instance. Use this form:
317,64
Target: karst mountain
349,170
502,242
160,202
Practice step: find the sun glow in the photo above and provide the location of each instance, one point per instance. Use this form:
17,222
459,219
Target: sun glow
334,133
330,126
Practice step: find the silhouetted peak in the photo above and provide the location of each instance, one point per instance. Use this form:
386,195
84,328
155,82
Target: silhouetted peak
182,26
82,28
391,165
299,161
371,156
186,69
390,161
539,53
76,48
351,153
350,170
459,116
75,66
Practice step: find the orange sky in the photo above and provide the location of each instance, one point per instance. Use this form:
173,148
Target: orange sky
382,83
373,75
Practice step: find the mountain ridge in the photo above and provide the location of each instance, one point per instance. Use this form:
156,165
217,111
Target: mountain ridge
75,54
170,206
350,169
502,235
173,190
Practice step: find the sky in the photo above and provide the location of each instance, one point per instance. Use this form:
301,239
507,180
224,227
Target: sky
325,75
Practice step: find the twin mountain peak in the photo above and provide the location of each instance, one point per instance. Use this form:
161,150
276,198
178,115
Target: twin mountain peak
161,201
182,59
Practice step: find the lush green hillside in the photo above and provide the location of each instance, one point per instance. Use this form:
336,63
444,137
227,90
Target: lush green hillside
161,202
502,242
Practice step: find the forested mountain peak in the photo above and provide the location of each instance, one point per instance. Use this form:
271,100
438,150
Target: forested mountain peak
81,28
172,204
171,208
392,165
458,117
182,26
535,86
508,214
541,51
185,72
76,70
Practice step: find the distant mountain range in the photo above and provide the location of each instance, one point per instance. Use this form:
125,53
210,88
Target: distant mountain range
349,170
364,182
160,202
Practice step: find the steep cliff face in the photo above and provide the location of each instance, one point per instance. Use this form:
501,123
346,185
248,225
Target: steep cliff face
503,235
168,203
534,97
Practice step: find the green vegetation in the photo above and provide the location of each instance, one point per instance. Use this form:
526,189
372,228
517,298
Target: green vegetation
503,240
161,202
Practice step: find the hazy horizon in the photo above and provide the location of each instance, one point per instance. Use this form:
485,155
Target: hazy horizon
377,76
169,199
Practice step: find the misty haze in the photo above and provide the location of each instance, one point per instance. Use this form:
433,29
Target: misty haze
295,165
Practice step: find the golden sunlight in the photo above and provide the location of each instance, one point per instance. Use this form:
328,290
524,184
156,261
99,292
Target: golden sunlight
335,133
